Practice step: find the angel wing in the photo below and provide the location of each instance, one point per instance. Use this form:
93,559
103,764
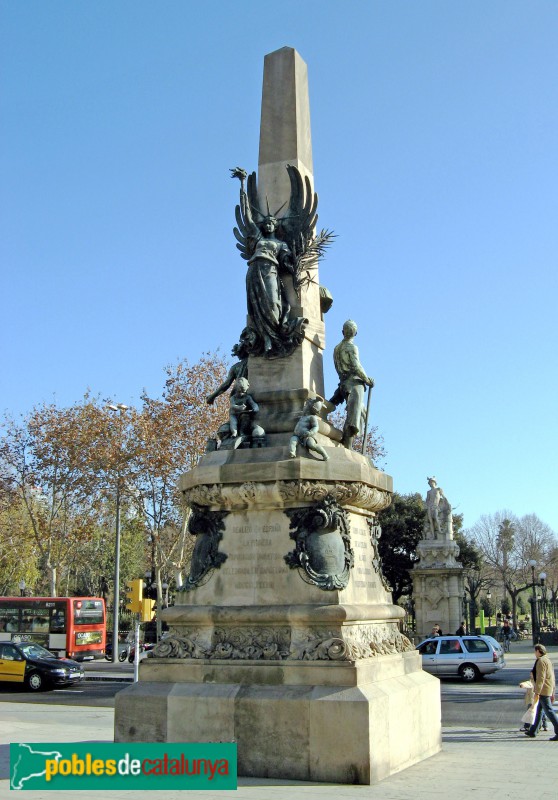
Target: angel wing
300,220
247,230
298,227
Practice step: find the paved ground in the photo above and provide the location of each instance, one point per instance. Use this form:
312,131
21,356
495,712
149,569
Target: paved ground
478,763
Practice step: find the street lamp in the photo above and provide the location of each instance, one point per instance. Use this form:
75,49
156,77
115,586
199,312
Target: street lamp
149,582
489,598
152,544
542,582
119,408
534,615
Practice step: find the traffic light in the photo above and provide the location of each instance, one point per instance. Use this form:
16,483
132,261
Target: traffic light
134,593
146,613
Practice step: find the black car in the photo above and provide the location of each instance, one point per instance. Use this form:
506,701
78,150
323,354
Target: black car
36,667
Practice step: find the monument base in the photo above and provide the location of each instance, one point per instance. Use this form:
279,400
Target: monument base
353,723
438,587
285,639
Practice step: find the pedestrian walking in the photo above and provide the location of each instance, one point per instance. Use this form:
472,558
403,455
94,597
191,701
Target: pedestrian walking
544,688
530,714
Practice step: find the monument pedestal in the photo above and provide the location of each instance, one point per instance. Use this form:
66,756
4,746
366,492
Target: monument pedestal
438,587
337,722
313,683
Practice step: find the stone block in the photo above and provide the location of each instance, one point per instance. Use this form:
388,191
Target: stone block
296,730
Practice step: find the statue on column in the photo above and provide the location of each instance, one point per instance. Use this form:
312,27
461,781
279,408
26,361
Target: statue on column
439,522
276,248
352,380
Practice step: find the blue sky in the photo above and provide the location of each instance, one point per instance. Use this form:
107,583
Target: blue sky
434,132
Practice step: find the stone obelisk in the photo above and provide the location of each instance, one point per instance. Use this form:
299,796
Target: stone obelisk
285,139
286,639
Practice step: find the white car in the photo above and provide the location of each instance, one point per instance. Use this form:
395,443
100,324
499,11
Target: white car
470,657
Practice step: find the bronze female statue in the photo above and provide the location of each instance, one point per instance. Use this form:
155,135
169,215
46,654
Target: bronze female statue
274,249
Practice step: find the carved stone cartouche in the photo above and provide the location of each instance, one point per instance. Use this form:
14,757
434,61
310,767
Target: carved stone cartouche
323,544
207,526
375,534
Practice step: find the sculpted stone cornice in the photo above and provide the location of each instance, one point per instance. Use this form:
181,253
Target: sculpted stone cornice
437,555
232,497
353,643
283,643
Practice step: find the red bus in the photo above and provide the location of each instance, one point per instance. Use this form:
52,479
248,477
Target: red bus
74,627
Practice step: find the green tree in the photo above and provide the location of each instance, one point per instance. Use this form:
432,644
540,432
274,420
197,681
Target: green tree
92,569
402,525
469,555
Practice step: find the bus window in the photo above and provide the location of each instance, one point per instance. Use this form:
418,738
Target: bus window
88,612
58,620
26,620
40,624
34,618
9,619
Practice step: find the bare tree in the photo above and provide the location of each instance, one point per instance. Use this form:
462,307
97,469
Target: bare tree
375,447
44,460
508,544
19,555
171,435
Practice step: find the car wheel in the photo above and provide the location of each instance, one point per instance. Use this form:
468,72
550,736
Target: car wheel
35,681
469,672
122,656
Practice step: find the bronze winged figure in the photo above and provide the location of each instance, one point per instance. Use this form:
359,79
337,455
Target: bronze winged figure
276,247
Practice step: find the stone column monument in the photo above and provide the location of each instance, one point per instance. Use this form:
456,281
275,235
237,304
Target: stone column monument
284,638
438,576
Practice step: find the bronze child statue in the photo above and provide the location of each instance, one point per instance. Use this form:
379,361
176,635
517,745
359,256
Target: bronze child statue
307,428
